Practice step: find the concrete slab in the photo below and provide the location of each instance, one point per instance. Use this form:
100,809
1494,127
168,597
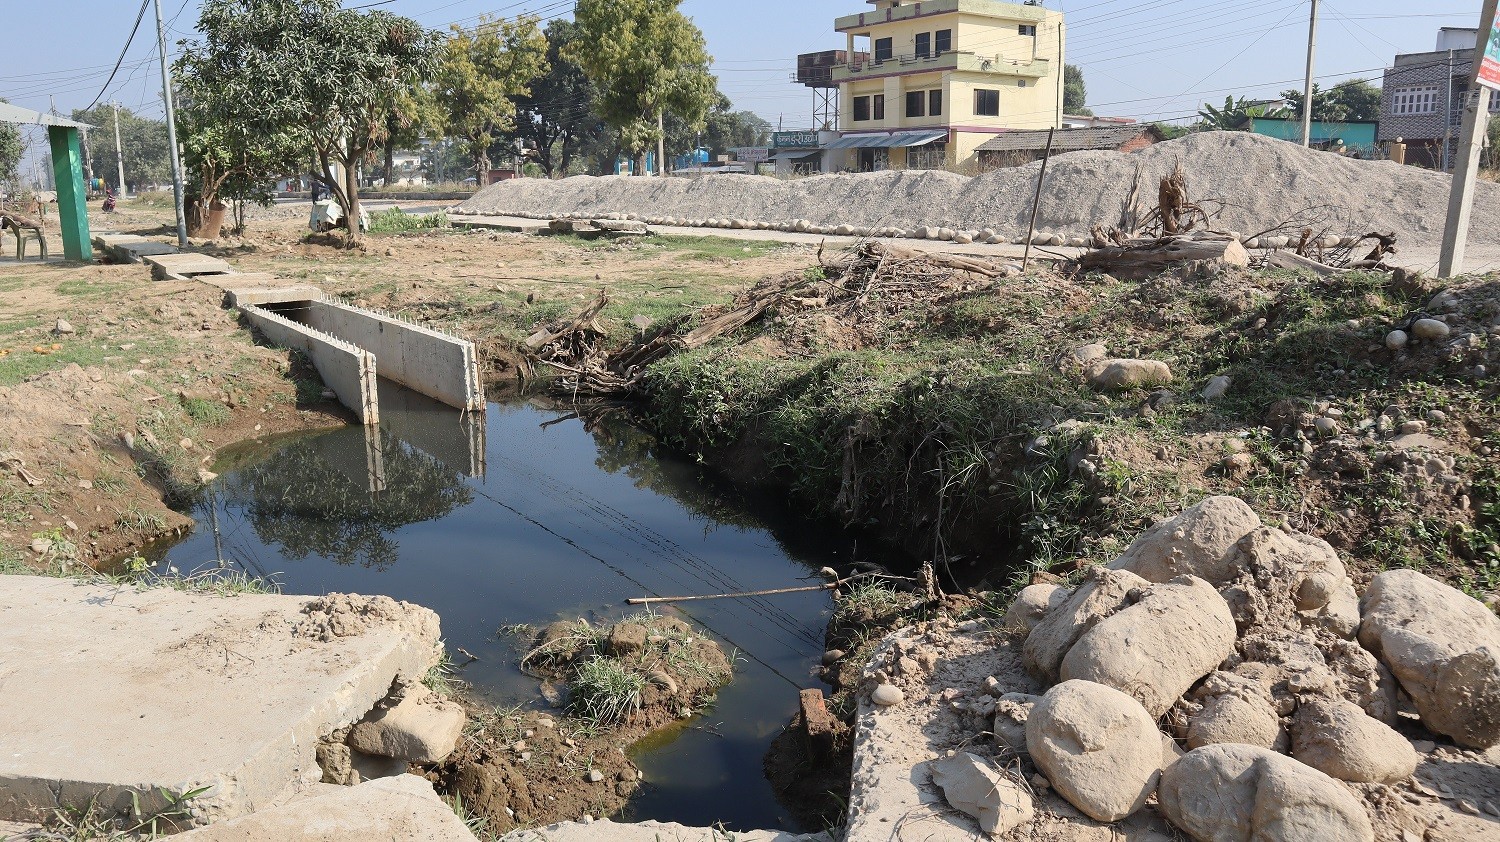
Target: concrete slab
512,224
438,365
184,266
403,808
608,831
236,296
130,248
109,693
345,368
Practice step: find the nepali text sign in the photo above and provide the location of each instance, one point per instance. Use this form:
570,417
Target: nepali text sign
795,140
1489,66
752,154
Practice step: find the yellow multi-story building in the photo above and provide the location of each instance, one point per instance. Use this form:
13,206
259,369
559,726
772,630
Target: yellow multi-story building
925,83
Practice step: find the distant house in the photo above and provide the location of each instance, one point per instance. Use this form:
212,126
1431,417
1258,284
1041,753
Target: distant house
1012,149
1421,100
1355,137
1080,121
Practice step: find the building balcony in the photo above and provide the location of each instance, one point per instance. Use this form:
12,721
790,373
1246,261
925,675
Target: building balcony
1010,12
953,60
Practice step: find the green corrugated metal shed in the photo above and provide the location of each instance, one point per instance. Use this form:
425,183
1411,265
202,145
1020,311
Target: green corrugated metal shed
1353,134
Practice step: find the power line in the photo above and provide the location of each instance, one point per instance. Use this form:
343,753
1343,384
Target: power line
123,50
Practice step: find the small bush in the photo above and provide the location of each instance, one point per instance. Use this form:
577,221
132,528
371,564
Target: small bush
604,692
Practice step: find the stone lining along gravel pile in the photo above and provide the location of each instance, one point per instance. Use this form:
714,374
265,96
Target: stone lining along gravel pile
1263,182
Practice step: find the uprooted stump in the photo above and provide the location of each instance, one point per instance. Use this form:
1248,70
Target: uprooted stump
1144,258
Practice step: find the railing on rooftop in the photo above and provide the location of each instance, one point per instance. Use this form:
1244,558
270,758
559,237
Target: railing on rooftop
956,60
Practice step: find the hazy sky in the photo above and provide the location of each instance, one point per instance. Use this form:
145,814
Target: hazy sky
1155,59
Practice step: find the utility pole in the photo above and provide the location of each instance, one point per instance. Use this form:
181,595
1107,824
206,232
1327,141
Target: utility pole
661,143
1484,76
119,150
166,93
1307,87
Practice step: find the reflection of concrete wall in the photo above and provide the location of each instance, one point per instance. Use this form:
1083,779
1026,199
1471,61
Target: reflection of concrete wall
435,364
347,370
363,468
454,438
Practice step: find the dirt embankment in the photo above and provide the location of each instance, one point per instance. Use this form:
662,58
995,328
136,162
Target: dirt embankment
974,421
114,393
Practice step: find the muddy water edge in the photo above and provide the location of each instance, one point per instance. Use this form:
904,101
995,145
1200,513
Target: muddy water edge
526,514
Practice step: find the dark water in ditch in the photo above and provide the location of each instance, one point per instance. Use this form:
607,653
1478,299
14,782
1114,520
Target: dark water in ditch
528,515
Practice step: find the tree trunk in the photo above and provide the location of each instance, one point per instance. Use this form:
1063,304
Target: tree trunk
351,190
391,126
640,163
1152,258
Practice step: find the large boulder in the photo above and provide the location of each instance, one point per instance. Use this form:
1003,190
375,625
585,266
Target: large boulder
1234,709
1121,374
1337,738
1199,542
421,728
1444,648
1032,604
990,796
1287,579
1098,747
1240,793
1103,593
1159,647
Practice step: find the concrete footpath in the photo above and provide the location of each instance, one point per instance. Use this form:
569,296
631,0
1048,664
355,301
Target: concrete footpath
111,695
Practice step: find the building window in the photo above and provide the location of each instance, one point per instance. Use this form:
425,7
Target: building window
986,103
1495,100
916,104
861,109
943,42
934,103
1028,29
882,49
933,156
877,106
924,44
1418,100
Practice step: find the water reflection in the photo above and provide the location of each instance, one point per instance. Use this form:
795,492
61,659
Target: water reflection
527,514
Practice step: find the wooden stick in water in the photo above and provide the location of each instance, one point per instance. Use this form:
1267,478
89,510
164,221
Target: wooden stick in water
647,600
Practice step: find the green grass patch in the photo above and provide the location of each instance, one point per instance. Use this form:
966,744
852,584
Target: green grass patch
206,412
604,692
397,221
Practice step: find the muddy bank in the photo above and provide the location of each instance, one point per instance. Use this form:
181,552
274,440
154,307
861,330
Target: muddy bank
611,686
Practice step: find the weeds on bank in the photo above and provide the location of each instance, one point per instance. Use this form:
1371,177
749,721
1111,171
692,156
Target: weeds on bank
604,691
440,676
95,824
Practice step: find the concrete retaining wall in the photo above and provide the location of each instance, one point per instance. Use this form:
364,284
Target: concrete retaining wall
424,360
345,368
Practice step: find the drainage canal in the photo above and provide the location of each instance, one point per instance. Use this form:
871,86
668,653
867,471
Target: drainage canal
526,514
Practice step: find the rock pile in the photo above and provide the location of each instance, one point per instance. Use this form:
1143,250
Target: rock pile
1250,646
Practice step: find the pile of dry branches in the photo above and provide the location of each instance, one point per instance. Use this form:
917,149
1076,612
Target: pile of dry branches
870,275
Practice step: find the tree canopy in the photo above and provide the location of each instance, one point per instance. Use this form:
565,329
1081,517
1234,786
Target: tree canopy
1353,101
12,147
326,75
648,60
557,117
481,71
147,157
1233,113
1075,92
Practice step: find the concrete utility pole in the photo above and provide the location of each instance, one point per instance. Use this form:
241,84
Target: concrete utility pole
119,150
1307,87
1471,145
166,93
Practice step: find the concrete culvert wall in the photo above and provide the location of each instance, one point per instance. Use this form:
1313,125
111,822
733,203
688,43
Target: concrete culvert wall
437,365
1263,182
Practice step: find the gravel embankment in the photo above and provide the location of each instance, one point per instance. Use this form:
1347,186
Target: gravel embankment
1263,184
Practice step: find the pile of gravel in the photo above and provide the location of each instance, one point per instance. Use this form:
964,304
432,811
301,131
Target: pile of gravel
1264,182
